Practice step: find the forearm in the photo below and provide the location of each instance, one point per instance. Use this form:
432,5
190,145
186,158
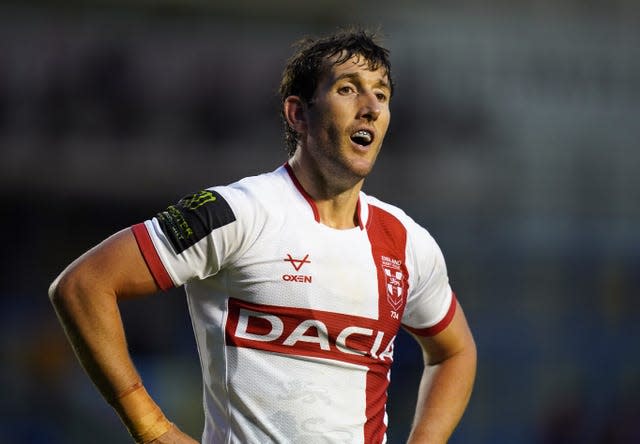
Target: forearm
444,392
85,297
93,325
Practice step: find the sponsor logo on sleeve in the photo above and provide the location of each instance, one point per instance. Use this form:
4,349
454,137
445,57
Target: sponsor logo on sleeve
194,217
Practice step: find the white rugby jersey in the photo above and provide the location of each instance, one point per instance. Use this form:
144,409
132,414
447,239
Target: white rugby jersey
295,321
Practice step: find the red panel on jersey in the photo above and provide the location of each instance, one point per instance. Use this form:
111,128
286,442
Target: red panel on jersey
151,257
388,239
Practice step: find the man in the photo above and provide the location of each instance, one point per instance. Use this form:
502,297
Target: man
297,281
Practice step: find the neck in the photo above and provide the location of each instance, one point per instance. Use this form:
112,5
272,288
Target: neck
336,203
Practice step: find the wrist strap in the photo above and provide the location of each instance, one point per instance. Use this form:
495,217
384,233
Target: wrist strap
142,416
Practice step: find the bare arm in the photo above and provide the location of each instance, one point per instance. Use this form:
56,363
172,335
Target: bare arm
85,297
447,382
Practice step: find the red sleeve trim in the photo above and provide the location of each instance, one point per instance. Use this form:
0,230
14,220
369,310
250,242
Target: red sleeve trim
444,322
151,257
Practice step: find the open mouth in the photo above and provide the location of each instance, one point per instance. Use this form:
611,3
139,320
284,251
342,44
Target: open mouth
362,137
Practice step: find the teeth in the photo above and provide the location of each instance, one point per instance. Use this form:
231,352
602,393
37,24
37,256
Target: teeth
363,134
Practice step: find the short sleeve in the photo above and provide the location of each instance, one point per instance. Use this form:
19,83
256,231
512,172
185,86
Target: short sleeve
196,237
430,303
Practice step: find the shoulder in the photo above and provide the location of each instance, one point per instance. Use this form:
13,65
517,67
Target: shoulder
262,190
392,210
237,206
418,237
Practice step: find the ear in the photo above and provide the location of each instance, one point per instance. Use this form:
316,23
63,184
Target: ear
295,112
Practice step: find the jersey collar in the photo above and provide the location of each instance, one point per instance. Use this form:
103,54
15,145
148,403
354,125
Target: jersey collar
358,216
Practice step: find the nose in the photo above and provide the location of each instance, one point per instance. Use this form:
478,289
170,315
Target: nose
370,107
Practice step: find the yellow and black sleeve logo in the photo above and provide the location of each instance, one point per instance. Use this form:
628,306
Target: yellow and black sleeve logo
194,217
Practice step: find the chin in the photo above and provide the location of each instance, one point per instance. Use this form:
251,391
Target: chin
362,166
361,169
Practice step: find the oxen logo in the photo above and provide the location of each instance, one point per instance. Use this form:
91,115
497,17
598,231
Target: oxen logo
394,282
297,265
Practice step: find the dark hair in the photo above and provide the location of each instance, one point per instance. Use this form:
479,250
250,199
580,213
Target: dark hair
307,65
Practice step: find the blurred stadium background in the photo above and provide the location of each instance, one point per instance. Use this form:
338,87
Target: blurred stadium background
514,140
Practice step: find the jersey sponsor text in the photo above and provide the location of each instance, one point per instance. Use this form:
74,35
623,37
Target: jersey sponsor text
306,332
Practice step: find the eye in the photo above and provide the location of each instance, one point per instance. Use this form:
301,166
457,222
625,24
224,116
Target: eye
346,89
382,97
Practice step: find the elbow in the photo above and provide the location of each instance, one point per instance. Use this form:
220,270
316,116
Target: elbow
468,351
76,292
68,291
54,294
471,347
472,351
60,291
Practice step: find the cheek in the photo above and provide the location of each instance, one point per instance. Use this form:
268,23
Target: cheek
384,123
330,120
333,123
386,115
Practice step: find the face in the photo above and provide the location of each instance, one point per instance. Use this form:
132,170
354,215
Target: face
347,120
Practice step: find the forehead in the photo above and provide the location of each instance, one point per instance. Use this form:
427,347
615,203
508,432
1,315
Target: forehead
356,66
